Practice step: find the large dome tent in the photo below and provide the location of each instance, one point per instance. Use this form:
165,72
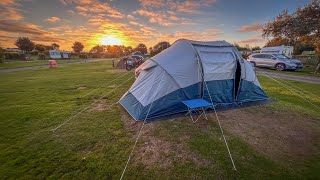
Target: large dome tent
214,71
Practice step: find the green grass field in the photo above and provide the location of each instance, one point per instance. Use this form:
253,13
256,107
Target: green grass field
96,144
18,64
306,71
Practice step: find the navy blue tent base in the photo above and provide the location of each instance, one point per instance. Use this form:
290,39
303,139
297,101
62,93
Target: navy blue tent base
221,107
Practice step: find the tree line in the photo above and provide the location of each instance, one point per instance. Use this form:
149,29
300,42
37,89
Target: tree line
26,45
120,50
300,29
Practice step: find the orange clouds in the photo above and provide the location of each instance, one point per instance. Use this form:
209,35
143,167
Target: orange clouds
250,28
130,17
90,7
135,23
253,41
8,2
153,3
162,18
23,28
170,12
191,7
100,19
81,2
10,30
188,6
53,19
9,10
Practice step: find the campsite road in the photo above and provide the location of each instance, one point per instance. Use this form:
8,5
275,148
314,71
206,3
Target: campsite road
314,80
46,66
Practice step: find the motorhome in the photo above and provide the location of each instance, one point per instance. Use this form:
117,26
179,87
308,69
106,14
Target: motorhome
56,54
285,50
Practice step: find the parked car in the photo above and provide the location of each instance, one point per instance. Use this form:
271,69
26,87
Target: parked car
137,53
137,57
132,62
279,62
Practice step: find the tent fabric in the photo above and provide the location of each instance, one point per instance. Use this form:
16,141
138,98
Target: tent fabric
121,63
191,70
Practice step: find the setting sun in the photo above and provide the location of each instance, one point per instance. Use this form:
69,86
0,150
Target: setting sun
110,40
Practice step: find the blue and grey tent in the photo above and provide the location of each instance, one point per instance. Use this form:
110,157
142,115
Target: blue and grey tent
191,70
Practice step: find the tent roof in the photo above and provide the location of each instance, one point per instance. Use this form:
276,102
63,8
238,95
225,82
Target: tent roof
206,43
181,57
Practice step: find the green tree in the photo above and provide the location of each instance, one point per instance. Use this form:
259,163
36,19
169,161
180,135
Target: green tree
127,50
97,49
55,46
240,48
77,47
278,41
151,51
159,47
114,50
1,55
142,48
40,47
301,23
304,44
24,44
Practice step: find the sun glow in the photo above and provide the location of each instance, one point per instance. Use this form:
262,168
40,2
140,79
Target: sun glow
110,40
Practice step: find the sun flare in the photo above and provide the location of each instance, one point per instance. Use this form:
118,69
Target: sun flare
110,40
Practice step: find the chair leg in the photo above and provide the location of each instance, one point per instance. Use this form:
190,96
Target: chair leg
192,117
204,113
201,112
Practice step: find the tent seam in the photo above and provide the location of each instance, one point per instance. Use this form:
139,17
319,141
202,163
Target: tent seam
169,75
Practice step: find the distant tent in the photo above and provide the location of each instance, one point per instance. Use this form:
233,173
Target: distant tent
189,70
121,63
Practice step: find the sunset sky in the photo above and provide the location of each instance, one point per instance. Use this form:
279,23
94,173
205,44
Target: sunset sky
130,22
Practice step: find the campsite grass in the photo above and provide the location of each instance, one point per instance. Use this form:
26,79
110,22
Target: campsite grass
306,71
287,99
18,64
96,144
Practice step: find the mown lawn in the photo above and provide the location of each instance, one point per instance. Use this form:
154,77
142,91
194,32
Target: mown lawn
18,64
96,144
306,71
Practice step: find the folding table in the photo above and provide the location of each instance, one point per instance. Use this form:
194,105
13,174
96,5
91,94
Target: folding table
197,105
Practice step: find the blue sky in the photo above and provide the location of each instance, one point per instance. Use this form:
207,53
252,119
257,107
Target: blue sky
138,21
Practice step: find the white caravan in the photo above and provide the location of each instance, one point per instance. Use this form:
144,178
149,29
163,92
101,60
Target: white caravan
56,54
286,50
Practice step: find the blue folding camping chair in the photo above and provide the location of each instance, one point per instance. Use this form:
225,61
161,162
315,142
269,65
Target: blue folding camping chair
197,106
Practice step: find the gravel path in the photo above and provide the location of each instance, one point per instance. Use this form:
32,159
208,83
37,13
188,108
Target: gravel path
314,80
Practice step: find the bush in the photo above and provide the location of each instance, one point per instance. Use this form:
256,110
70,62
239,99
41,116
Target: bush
109,55
15,56
1,55
46,53
34,53
96,56
83,56
41,56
